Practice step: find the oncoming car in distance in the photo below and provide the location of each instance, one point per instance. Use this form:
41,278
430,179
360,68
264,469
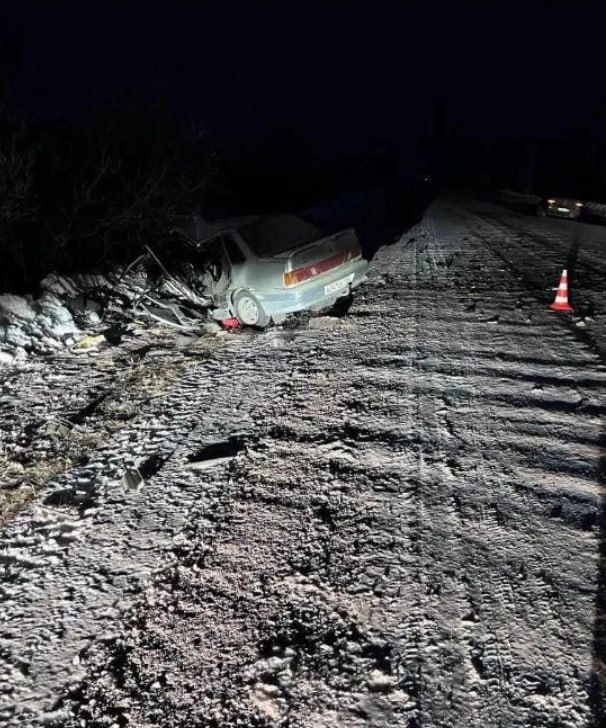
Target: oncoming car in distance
263,268
560,207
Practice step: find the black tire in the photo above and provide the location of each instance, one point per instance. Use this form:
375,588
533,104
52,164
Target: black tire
540,211
249,311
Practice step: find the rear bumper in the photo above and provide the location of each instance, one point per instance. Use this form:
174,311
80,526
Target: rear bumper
311,294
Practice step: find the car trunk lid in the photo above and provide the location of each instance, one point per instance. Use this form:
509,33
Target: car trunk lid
320,257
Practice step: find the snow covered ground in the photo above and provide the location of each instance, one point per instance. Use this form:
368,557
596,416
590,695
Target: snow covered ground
388,518
72,310
535,249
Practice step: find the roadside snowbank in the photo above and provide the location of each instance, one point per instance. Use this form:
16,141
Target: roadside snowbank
512,197
43,325
591,209
72,307
596,209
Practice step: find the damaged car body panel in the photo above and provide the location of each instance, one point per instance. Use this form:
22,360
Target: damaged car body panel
262,268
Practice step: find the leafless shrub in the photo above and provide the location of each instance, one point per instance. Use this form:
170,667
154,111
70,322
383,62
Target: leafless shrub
93,191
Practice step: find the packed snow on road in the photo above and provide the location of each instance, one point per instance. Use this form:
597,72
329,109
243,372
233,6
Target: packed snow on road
388,517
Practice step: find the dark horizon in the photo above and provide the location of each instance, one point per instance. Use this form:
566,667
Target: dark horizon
504,94
345,74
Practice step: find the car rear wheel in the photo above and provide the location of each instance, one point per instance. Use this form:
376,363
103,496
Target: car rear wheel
249,311
541,212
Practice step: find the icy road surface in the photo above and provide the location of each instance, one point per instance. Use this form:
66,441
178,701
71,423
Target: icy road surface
390,518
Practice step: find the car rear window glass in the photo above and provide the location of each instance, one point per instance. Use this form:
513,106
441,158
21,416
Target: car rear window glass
278,234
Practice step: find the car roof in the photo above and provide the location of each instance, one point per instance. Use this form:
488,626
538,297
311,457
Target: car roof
197,229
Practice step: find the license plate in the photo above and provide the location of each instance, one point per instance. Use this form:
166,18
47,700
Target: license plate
338,285
563,209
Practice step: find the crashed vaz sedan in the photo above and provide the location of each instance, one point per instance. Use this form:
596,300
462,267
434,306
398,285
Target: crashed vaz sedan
263,268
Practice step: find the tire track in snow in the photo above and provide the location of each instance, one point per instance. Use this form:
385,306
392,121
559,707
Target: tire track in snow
450,611
122,548
556,352
538,280
491,653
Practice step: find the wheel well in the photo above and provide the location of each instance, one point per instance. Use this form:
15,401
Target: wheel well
232,297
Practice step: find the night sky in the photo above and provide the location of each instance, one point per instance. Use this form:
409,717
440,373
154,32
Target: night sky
343,75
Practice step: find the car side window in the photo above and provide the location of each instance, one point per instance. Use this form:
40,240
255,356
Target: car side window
233,250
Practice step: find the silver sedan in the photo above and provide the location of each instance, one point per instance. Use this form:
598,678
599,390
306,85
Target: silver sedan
263,268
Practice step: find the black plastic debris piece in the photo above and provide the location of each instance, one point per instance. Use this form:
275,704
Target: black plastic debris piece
215,453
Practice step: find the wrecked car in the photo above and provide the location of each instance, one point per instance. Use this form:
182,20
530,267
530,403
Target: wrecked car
259,269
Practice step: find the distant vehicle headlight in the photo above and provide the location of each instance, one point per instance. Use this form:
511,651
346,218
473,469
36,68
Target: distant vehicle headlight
578,204
551,202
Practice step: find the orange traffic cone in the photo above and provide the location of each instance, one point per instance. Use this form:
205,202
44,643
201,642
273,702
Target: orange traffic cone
561,299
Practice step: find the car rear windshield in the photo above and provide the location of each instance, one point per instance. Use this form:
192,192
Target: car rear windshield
273,235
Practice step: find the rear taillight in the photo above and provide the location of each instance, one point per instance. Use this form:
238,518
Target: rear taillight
290,279
300,275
